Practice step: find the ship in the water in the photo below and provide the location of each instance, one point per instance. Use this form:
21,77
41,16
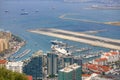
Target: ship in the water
60,47
65,49
6,11
24,13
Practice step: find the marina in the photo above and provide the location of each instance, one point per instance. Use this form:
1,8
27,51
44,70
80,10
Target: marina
65,49
25,52
85,42
83,49
80,37
91,55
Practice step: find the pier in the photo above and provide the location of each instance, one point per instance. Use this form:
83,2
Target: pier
20,55
80,37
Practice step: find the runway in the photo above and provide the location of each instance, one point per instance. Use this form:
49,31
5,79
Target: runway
80,37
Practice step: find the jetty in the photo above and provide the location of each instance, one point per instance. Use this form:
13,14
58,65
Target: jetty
80,37
25,52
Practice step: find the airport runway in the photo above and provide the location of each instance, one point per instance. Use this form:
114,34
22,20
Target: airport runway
80,37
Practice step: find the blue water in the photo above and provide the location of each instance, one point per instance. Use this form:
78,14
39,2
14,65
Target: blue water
48,14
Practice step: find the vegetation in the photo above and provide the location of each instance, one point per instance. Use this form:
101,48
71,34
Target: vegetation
117,63
17,38
52,76
9,75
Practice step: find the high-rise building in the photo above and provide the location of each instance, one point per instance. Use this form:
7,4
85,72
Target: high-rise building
4,40
52,63
78,60
72,72
5,35
34,66
15,66
67,60
3,45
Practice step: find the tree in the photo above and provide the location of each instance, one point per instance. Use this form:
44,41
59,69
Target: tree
9,75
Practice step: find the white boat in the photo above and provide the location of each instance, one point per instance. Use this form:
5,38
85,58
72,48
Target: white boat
56,42
60,47
24,13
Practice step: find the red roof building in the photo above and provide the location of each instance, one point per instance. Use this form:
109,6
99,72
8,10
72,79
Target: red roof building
100,61
112,56
3,63
107,54
30,78
97,68
86,75
114,53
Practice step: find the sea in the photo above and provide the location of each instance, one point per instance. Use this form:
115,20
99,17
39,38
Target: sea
46,13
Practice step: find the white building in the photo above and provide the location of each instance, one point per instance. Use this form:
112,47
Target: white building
111,56
15,66
52,63
100,61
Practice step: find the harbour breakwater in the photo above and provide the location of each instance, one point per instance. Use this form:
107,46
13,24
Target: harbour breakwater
80,37
83,20
116,23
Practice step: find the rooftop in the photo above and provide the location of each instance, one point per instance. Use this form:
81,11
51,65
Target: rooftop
86,75
29,77
19,63
101,59
98,68
111,53
38,53
107,54
70,68
3,61
114,53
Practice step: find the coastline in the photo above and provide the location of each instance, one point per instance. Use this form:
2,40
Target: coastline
16,44
113,23
104,8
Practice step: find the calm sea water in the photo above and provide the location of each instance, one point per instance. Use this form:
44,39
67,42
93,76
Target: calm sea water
48,16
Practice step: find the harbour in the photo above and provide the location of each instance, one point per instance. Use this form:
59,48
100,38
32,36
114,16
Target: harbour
84,35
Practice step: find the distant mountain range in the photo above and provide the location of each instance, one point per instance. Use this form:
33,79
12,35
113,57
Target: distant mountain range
97,1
